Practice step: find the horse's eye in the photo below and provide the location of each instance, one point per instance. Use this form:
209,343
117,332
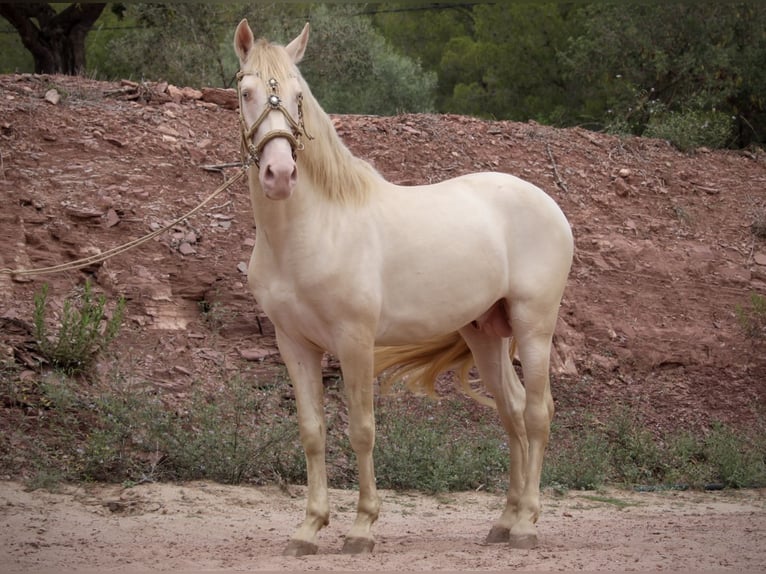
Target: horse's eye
246,94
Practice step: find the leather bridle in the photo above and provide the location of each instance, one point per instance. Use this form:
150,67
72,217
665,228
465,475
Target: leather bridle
251,150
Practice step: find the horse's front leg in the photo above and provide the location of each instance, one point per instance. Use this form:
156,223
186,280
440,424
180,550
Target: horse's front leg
304,364
357,366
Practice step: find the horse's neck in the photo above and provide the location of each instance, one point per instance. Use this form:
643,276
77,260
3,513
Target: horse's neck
283,222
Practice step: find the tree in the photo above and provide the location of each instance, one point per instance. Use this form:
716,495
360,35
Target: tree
55,39
652,68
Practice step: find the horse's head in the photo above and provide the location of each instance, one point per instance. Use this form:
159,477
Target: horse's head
270,103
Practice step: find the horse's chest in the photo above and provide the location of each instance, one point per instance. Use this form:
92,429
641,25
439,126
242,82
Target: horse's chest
292,302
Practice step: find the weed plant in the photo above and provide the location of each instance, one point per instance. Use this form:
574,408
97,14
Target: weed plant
84,330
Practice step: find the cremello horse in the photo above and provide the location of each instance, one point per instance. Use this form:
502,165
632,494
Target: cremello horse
415,280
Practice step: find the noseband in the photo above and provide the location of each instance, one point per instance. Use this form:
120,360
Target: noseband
252,151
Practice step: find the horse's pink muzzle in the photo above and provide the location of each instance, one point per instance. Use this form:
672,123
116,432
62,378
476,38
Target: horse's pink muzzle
278,172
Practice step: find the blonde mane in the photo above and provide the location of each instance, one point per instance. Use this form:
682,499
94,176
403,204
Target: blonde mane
333,169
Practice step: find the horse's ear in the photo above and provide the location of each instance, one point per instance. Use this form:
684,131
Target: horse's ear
297,47
243,40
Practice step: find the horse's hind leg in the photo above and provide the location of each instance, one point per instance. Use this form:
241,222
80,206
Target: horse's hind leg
533,328
491,354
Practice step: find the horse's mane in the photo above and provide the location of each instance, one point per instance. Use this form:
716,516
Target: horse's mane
335,171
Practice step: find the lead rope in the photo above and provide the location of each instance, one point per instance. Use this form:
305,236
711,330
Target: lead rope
98,258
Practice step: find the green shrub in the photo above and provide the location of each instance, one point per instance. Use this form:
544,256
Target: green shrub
582,464
232,438
691,129
739,461
431,448
84,331
636,455
686,462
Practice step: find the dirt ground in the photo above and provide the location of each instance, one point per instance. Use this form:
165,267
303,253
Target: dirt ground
214,528
665,252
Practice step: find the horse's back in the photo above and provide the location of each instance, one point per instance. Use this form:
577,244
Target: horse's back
528,222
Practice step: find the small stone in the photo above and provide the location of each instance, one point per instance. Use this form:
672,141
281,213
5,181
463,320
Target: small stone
111,218
175,93
52,96
760,258
186,249
256,354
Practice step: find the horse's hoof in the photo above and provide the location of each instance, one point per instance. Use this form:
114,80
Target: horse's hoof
522,541
300,548
498,535
358,545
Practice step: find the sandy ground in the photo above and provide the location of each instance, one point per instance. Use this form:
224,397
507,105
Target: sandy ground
214,528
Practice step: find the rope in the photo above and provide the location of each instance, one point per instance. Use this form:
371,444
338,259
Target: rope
98,258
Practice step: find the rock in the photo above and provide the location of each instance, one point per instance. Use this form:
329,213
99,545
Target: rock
168,131
191,94
83,212
760,258
111,218
242,267
224,98
621,188
52,96
186,249
175,94
256,354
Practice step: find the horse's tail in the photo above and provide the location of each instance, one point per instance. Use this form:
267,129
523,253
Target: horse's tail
419,365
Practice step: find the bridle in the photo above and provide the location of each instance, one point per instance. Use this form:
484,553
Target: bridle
251,151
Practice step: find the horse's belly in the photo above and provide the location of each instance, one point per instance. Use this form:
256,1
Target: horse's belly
431,300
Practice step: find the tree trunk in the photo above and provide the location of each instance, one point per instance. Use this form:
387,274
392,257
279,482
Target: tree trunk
56,40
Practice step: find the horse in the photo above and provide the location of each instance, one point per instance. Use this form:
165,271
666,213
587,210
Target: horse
406,280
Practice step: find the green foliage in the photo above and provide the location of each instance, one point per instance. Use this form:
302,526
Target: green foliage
126,433
636,456
352,69
182,43
739,462
84,331
508,67
752,318
604,65
239,432
435,449
15,57
687,58
584,464
230,438
675,70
